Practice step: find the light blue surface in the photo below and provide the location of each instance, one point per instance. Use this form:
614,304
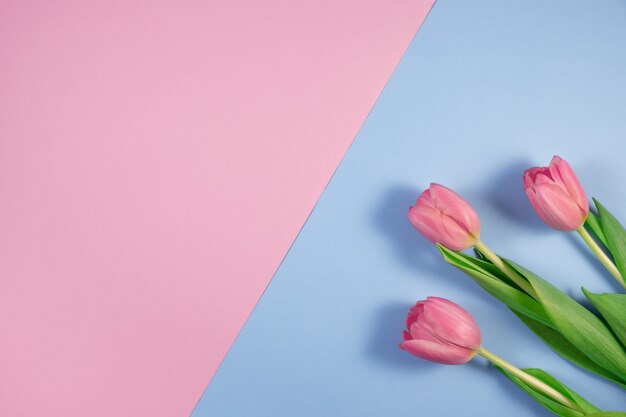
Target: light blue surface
486,89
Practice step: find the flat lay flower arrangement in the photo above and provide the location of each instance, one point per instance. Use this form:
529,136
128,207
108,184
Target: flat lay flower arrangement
594,338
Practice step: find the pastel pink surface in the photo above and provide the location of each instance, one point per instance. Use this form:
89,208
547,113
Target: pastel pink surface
157,159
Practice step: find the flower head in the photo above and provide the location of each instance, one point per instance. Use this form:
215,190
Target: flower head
440,331
556,195
444,217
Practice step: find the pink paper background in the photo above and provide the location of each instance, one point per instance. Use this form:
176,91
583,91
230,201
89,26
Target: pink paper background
156,161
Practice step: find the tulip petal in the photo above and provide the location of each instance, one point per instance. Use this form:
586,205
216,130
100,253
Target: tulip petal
456,207
450,322
426,219
554,169
418,332
442,216
454,236
546,178
446,354
529,176
425,199
568,178
438,228
414,313
531,193
555,207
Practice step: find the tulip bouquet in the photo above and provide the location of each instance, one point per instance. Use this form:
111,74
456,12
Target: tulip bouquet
441,331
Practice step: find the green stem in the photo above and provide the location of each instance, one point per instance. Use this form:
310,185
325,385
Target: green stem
515,277
530,380
601,255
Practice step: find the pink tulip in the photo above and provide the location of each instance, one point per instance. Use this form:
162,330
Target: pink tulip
444,217
556,195
440,331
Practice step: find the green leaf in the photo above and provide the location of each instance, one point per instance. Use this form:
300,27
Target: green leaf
563,389
579,326
561,334
492,280
613,309
565,349
549,403
615,236
607,414
593,224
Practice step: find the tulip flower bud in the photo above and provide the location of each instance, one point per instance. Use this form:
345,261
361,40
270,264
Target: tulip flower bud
440,331
556,195
444,217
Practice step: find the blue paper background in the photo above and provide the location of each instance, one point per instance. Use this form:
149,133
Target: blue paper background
486,89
